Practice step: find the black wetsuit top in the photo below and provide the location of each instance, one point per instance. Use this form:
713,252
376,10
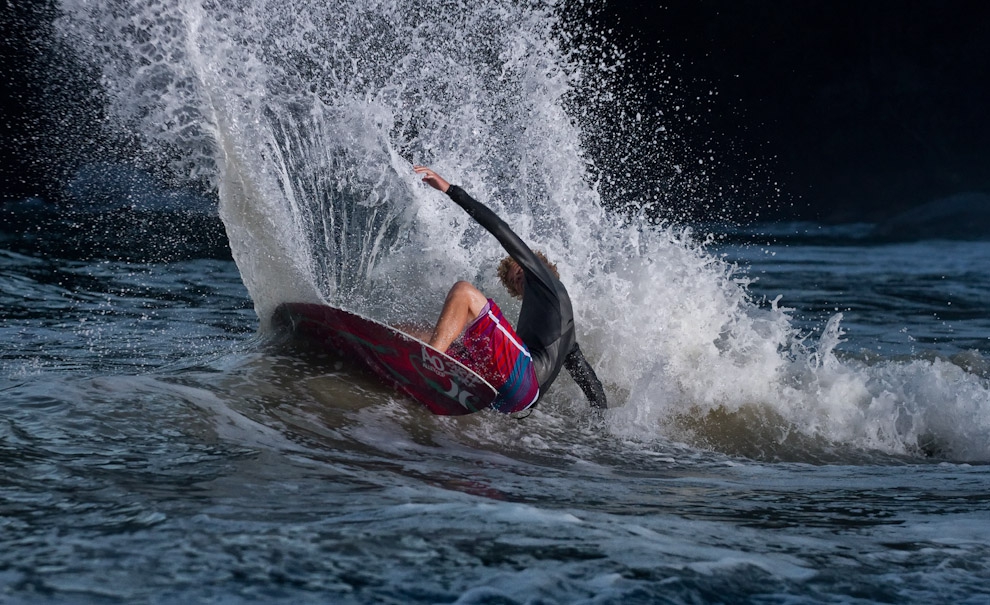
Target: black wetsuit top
546,320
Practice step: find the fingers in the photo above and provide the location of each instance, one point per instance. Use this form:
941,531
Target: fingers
426,172
431,178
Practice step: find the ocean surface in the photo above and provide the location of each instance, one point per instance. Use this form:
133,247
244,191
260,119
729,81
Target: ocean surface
156,448
799,413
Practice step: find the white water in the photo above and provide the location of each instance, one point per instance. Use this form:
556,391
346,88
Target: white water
307,116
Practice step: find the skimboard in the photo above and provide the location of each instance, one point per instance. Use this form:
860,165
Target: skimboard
439,382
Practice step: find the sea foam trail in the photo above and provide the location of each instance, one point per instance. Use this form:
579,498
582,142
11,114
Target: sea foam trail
306,117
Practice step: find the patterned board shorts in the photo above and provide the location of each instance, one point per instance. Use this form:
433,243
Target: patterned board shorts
492,348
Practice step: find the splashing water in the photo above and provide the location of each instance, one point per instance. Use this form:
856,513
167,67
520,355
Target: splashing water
307,117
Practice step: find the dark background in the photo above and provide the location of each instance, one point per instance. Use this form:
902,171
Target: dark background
845,110
857,110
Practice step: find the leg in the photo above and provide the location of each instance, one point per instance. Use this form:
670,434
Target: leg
464,303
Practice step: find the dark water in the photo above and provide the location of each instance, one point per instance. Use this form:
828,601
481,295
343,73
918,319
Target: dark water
161,444
156,450
896,298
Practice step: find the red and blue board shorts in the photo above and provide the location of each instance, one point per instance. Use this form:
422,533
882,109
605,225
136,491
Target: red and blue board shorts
492,348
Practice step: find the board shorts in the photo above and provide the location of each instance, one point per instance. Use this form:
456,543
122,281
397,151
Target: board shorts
491,347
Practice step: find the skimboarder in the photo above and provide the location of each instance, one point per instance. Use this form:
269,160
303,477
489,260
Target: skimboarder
520,363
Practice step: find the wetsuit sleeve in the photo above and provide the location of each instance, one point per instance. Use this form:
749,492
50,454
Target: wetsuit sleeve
511,242
584,375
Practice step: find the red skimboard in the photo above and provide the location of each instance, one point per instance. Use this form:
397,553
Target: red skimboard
439,382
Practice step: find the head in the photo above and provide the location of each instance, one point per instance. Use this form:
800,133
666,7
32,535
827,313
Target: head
511,274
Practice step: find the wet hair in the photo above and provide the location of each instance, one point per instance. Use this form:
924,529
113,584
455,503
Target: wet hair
508,262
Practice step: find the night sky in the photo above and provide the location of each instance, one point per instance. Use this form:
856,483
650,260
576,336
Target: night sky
857,109
844,110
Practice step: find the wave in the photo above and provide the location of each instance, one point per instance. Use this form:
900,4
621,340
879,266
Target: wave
307,116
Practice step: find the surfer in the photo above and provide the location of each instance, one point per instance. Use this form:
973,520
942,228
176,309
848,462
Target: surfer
522,371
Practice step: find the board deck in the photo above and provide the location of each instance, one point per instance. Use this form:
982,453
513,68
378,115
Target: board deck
437,381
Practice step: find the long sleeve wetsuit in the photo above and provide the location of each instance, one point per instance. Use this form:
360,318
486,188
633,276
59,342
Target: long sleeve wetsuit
546,320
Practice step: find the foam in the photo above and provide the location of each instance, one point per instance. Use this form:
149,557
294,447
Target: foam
306,119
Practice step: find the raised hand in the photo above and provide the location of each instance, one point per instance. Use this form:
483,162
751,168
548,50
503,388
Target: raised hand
432,178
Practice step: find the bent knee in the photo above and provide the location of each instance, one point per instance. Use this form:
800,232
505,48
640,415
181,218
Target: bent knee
468,294
464,288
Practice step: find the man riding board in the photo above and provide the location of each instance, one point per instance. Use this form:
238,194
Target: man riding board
522,363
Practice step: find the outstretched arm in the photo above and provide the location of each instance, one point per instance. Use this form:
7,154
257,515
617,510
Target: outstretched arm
511,243
584,375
